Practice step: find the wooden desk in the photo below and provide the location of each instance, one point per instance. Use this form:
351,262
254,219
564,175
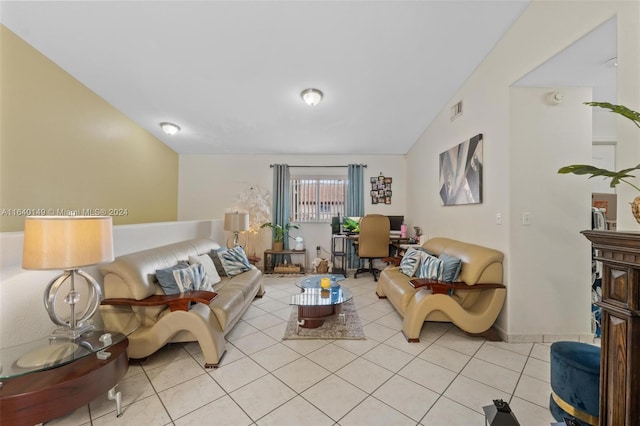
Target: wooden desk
392,238
348,248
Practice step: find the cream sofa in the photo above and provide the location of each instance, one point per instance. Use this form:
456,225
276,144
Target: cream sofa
472,304
135,304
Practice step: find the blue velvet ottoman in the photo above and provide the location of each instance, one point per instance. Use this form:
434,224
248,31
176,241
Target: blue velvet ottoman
575,382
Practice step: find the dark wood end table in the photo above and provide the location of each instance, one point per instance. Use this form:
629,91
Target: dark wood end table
40,396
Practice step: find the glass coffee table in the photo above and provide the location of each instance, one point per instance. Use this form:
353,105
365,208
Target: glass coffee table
316,304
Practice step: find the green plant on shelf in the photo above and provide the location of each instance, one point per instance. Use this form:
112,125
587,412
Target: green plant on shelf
279,231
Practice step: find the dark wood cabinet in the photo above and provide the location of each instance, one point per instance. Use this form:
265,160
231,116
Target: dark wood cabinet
619,253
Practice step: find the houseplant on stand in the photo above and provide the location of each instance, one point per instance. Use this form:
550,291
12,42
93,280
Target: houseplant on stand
279,233
616,177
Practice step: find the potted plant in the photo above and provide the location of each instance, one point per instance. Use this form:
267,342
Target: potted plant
620,175
279,233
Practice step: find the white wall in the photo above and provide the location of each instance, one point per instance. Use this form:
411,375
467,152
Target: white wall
550,258
22,314
209,184
604,125
544,29
603,155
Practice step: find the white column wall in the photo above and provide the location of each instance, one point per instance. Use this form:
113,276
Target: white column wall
550,257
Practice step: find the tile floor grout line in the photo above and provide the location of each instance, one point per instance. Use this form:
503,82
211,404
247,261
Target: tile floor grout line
302,353
458,374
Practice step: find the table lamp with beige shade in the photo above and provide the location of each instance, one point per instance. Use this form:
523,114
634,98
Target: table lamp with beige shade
236,222
68,243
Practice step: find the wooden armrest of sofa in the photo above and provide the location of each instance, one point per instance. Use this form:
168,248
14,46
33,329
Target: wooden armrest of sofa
439,287
395,261
176,302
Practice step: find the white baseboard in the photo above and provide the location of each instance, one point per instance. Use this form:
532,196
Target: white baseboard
547,338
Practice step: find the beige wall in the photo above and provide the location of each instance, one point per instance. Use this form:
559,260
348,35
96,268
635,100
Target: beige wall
62,148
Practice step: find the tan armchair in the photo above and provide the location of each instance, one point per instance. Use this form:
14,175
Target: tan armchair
473,303
373,241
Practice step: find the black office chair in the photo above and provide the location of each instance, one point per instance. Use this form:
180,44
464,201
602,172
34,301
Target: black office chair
373,242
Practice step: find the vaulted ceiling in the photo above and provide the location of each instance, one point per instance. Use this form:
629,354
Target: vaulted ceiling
230,73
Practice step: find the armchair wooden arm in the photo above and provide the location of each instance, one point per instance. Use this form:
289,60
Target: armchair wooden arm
176,302
395,261
439,287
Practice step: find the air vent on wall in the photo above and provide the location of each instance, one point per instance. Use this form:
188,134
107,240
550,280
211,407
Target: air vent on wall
456,111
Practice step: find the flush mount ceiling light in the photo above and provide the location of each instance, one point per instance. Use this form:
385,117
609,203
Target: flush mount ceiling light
169,128
611,62
554,98
311,97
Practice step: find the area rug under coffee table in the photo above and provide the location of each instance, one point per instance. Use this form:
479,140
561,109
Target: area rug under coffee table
332,329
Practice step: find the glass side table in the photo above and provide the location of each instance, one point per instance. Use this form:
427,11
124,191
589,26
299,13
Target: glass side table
49,378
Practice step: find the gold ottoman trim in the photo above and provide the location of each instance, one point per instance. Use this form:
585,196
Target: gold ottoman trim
580,415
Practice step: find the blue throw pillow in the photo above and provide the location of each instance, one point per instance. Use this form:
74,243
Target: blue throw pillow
166,279
234,261
410,262
431,267
452,266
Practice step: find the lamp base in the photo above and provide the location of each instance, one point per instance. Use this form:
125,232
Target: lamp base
75,325
234,240
72,333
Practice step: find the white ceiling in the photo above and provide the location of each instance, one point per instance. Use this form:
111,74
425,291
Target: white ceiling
588,62
230,73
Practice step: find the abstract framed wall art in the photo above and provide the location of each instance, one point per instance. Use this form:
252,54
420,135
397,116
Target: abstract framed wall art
461,173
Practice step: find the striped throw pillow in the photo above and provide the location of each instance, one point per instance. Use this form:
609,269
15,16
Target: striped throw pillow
431,267
410,262
211,273
166,279
191,278
234,261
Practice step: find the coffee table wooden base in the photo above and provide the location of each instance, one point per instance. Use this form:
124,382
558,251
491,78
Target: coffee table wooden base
314,316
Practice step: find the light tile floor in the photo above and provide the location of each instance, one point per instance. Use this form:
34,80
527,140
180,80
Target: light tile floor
445,379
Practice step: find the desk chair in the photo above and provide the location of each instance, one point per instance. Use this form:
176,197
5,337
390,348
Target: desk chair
373,241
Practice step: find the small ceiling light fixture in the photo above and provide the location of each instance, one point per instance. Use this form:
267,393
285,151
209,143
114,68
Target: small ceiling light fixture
611,62
554,98
169,128
311,97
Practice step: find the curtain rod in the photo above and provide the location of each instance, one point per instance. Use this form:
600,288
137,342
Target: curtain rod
363,165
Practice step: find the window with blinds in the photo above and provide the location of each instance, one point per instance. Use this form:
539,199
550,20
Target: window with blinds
317,199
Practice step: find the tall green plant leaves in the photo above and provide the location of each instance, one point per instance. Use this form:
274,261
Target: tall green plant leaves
618,109
620,175
585,169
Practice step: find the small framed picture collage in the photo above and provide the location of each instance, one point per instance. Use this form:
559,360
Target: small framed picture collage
381,190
